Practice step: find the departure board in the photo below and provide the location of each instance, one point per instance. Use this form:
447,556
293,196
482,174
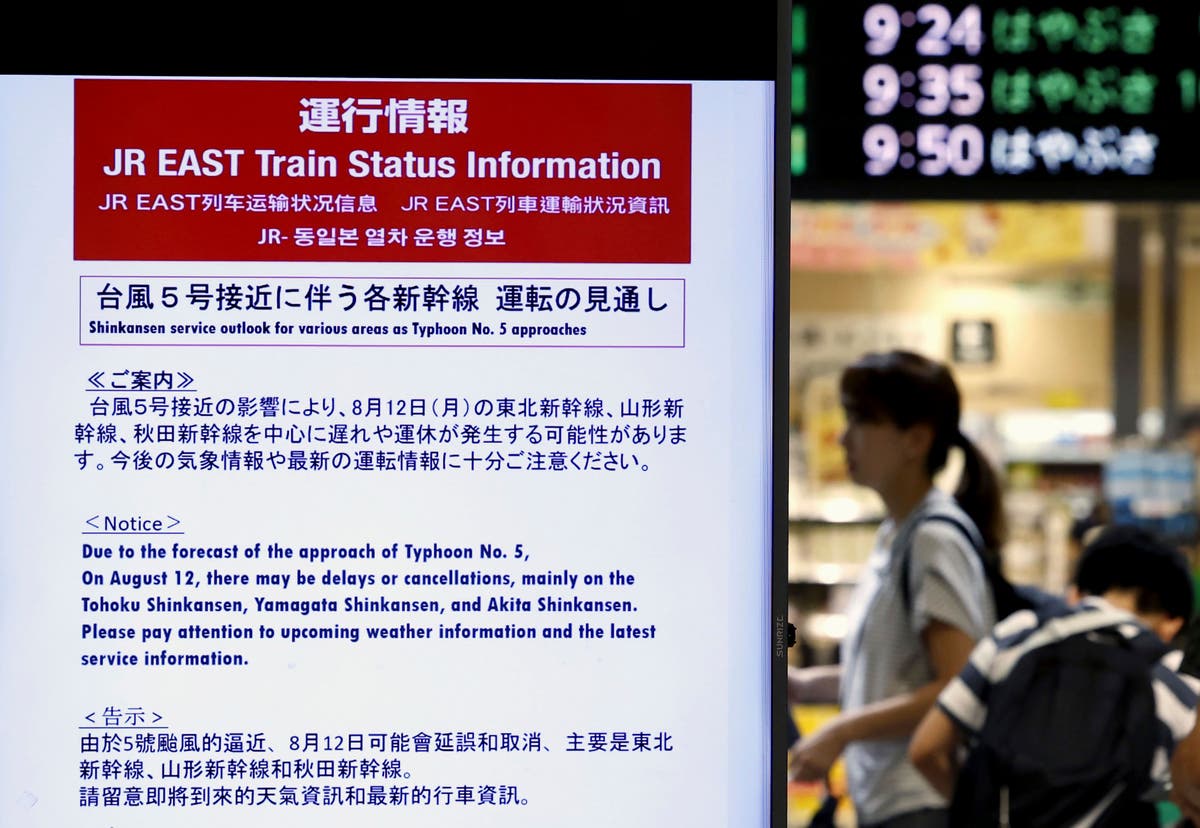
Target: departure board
997,100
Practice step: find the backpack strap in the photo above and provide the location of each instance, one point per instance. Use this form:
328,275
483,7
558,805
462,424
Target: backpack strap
969,532
1149,645
1123,632
1006,597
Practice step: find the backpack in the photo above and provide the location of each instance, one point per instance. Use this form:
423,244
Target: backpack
1070,732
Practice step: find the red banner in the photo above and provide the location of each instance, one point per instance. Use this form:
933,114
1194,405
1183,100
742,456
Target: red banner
382,171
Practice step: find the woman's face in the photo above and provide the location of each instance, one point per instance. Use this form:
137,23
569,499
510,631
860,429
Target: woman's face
876,452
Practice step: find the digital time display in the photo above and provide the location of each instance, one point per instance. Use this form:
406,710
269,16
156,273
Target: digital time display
996,100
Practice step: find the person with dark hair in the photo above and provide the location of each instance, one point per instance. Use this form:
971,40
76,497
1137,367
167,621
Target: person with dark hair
1135,561
905,641
1068,679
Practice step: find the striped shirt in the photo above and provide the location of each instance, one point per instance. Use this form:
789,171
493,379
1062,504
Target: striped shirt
883,655
965,698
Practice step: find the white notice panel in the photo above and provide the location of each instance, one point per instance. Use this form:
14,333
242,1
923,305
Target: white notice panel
385,452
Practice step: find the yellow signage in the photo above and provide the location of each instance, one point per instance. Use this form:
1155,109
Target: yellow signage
843,237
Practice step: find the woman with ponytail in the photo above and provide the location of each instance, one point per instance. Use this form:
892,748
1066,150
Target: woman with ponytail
911,625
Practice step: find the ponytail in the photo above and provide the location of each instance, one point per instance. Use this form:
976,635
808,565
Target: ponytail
979,495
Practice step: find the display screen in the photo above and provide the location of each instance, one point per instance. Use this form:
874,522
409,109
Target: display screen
995,100
399,448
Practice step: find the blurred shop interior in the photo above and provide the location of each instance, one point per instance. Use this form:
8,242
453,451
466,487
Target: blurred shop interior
1073,330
